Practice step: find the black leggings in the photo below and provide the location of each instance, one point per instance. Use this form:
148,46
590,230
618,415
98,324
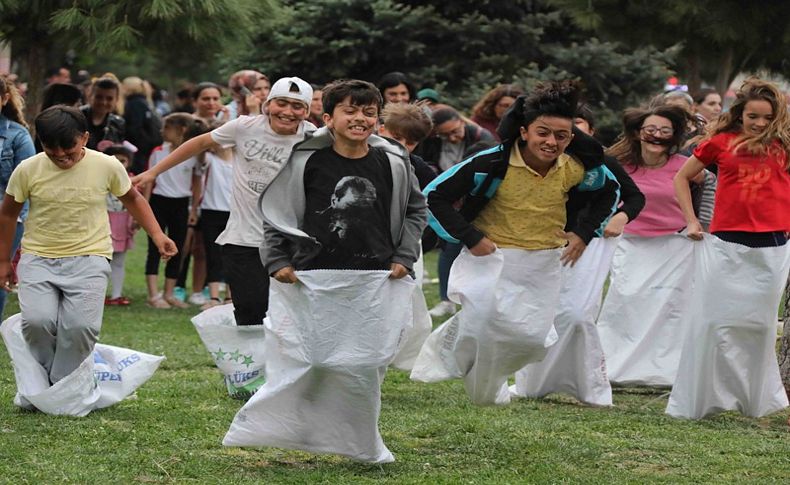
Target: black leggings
171,214
248,281
212,224
753,239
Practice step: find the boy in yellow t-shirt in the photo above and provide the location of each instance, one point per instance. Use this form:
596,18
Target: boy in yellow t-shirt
66,246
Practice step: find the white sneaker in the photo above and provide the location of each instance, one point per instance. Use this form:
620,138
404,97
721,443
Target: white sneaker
442,309
198,299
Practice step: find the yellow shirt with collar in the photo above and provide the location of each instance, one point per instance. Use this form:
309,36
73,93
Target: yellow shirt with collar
528,209
68,208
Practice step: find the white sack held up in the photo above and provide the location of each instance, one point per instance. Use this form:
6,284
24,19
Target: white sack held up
641,325
508,300
415,335
237,350
108,376
329,340
729,354
575,364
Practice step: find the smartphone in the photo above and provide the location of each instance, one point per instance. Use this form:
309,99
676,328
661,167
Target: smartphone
244,91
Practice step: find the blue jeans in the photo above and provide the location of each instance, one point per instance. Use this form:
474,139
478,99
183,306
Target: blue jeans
446,258
17,238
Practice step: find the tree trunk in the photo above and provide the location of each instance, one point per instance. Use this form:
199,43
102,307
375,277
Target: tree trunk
784,348
725,75
36,63
694,80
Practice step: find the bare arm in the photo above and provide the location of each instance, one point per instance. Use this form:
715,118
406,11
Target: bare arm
690,171
197,194
141,212
9,211
187,150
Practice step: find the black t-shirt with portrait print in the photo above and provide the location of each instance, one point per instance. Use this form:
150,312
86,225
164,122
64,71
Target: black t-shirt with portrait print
348,210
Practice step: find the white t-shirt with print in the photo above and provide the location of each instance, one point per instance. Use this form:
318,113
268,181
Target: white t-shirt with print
259,154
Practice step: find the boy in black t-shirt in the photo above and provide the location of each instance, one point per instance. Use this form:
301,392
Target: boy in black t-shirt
346,200
350,200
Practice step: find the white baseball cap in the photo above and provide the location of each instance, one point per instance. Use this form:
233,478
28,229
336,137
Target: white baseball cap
291,88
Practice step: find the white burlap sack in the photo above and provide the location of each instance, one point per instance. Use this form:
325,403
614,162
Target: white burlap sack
641,322
575,364
729,354
329,340
508,302
237,350
108,376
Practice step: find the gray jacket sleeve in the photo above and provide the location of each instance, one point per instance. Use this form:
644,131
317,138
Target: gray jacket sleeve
276,251
414,222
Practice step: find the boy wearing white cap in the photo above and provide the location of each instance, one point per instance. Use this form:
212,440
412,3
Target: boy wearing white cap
262,145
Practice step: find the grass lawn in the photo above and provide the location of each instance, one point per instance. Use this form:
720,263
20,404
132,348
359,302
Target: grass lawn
171,432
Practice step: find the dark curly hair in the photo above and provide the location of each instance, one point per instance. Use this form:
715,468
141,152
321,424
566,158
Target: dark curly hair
554,98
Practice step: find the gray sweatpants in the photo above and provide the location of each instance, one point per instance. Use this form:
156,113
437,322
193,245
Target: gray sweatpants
62,303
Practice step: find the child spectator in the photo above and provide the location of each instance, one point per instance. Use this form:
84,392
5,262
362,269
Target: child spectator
408,124
213,204
169,201
66,247
122,229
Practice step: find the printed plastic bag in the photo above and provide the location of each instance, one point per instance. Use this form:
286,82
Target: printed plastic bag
641,322
237,350
508,302
108,376
729,354
575,364
329,340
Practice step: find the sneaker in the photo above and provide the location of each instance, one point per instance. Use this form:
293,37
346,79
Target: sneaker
180,293
173,301
198,299
443,308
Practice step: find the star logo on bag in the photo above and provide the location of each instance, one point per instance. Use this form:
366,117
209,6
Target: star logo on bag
248,360
235,356
219,354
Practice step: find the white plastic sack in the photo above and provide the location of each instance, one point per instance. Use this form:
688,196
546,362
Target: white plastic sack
329,340
641,322
575,364
729,354
108,376
508,300
415,334
237,350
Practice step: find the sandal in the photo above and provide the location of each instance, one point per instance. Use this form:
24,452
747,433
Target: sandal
157,302
173,301
211,303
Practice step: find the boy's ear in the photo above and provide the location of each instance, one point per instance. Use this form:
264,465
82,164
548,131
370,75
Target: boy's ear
327,119
85,137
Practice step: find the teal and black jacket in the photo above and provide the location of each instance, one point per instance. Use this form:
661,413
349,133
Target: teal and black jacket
476,180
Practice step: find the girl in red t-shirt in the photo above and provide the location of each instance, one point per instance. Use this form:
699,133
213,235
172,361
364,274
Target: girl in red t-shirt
750,145
728,360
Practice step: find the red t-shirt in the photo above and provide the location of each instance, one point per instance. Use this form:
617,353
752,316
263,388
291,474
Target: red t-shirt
753,191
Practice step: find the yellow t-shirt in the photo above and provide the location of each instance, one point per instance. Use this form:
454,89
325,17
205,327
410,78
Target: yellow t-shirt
528,209
68,208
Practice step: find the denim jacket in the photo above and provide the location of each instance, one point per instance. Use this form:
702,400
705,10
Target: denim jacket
15,146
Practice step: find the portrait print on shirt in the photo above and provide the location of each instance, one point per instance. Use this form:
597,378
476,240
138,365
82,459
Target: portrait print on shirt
348,204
